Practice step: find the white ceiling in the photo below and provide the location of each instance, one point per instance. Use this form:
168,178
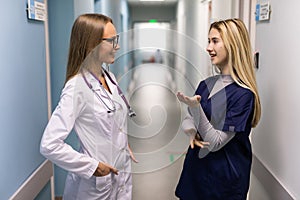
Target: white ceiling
165,2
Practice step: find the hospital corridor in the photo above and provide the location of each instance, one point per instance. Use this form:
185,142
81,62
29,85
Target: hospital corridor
160,49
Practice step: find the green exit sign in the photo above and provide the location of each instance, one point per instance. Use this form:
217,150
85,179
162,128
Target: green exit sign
152,21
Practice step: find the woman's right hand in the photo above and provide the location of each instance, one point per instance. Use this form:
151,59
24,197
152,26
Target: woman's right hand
104,169
193,101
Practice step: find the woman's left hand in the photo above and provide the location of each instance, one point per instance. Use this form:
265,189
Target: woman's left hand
195,139
198,142
132,155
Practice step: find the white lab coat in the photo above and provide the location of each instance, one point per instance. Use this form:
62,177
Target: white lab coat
102,136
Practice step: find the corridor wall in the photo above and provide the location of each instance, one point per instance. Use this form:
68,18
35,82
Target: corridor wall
61,18
23,101
119,12
275,140
192,60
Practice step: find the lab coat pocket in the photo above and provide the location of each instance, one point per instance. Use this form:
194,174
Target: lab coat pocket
104,183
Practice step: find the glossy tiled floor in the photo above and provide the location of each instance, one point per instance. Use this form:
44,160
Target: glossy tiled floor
155,134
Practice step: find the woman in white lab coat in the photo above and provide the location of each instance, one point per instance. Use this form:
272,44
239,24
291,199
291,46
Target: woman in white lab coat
91,103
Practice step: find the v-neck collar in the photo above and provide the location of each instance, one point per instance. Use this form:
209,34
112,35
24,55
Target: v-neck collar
222,82
109,85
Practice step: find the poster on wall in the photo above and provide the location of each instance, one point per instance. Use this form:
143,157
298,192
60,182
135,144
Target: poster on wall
36,10
262,11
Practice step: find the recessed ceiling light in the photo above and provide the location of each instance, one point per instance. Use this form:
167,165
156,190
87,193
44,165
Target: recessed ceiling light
152,0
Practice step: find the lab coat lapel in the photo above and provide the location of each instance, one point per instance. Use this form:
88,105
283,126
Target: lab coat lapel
114,92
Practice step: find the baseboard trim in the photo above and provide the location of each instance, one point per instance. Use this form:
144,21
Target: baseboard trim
271,184
35,183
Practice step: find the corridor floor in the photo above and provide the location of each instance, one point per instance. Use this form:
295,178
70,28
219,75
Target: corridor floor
154,134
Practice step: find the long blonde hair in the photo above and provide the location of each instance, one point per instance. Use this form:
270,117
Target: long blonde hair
240,57
87,33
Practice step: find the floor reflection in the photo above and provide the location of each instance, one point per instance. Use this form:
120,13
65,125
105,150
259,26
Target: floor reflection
155,135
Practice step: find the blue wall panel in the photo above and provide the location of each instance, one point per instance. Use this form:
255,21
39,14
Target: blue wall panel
61,18
23,101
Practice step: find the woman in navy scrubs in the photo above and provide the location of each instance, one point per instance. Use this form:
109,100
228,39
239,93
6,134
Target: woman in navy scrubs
220,117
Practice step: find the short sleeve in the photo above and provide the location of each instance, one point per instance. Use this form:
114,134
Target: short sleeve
239,114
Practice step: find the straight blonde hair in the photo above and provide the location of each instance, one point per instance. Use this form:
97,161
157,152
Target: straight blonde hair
240,58
87,33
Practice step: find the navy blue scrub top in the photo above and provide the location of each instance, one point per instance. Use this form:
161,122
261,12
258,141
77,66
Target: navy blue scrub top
223,174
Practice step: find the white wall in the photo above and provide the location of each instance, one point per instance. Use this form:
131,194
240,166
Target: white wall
224,9
192,28
276,139
197,24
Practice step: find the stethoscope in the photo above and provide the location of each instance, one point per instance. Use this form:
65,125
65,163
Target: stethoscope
131,113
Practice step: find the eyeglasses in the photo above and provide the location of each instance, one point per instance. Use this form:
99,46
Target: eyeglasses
113,40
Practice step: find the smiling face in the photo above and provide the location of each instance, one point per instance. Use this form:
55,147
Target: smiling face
217,51
107,50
